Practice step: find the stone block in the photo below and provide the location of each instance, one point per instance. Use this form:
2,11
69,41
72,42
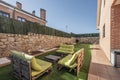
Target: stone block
26,37
6,42
10,35
18,39
3,46
1,43
2,36
3,40
11,39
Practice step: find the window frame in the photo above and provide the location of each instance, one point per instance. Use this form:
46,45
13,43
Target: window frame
21,19
4,14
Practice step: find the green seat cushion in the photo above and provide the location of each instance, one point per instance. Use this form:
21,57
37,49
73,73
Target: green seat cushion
66,46
18,54
44,66
34,65
35,73
65,59
77,52
66,49
72,66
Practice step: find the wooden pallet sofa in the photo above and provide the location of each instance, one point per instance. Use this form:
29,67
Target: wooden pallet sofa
66,49
27,67
73,62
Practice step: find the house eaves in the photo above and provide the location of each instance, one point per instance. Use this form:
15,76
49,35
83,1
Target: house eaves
98,12
116,2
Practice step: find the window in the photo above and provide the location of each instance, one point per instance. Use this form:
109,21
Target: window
4,14
104,31
21,19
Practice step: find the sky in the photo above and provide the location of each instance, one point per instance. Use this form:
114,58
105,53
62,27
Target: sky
76,16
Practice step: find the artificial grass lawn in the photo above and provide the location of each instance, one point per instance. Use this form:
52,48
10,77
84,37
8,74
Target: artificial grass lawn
63,74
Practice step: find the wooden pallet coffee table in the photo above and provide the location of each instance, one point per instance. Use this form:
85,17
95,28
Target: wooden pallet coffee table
52,58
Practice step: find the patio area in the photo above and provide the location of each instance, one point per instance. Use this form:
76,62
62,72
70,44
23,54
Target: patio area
101,68
64,73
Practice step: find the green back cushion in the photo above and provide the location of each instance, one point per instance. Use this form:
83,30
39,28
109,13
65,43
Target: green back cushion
35,66
18,54
69,48
72,60
77,52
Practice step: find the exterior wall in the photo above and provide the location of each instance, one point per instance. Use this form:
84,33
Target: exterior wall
115,32
115,27
20,13
105,19
29,42
110,17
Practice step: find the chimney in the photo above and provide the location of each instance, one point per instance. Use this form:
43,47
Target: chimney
43,14
19,5
33,13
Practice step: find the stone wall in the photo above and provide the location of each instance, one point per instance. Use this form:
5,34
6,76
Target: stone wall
29,42
88,40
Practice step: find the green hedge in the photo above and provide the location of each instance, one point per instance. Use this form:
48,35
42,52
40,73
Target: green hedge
86,35
13,26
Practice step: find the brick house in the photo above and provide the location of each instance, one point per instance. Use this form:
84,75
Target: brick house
18,13
108,23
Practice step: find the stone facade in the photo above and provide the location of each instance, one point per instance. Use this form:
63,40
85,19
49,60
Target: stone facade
29,42
88,40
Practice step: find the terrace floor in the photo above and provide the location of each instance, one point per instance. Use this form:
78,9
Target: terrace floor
101,68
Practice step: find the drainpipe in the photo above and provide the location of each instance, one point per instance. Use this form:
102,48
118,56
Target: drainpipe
14,13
